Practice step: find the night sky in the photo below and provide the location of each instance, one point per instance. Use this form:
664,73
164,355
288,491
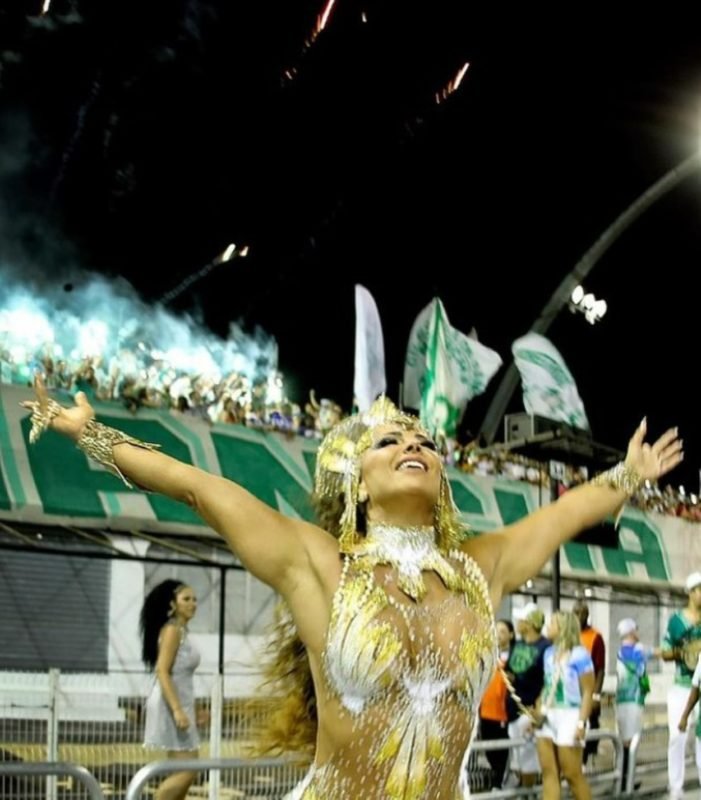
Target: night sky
138,139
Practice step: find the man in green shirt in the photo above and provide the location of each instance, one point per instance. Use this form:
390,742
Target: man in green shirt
681,644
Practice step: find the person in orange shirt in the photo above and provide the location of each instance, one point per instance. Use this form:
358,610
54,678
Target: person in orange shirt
493,718
594,642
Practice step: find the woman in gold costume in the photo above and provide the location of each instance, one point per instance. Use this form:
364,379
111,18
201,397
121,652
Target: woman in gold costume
390,636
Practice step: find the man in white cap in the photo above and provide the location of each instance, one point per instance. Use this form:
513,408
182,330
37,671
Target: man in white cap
525,668
681,644
633,684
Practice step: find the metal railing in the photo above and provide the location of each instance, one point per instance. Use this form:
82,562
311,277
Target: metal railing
96,720
633,754
613,776
53,770
262,765
279,775
648,753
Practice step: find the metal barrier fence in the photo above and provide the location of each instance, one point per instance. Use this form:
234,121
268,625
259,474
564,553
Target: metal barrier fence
275,777
648,753
21,774
605,770
271,777
239,778
96,721
644,758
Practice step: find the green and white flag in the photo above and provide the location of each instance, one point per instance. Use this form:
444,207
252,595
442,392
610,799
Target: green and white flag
369,380
444,370
549,389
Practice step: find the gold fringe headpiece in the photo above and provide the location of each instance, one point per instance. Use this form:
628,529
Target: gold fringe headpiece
338,472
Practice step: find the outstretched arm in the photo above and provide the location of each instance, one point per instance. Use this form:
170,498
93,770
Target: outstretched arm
278,550
519,551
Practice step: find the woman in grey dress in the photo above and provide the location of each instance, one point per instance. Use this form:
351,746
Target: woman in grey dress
170,707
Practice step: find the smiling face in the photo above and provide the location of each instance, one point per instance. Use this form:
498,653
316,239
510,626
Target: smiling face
356,473
400,469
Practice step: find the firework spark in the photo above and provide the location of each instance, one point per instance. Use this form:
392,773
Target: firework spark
321,22
453,85
324,17
226,255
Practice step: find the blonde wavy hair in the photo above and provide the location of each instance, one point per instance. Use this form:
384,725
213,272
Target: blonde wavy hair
569,630
292,726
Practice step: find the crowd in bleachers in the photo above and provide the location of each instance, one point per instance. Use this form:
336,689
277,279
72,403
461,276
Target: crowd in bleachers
143,380
496,461
139,381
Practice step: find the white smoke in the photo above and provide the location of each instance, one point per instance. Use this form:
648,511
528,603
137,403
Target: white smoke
50,308
105,319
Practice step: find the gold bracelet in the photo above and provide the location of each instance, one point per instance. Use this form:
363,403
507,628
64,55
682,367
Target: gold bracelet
42,418
621,478
98,441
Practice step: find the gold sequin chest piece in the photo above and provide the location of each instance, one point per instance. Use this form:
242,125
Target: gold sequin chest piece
410,648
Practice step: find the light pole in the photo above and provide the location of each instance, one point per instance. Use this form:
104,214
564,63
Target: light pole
582,268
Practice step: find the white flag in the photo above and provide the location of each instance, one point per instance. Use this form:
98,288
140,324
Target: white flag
370,380
444,370
549,389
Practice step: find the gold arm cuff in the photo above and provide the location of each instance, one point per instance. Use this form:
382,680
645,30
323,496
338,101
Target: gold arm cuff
98,441
621,478
42,418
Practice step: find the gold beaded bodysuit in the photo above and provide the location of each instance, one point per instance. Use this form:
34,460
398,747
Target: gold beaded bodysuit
410,647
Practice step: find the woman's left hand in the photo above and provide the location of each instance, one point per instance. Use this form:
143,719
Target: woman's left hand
652,461
581,733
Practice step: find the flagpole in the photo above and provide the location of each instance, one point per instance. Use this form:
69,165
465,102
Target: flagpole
582,268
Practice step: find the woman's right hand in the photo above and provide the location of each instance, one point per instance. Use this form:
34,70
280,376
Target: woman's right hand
182,721
652,461
68,421
683,722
